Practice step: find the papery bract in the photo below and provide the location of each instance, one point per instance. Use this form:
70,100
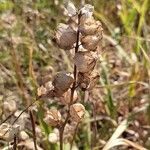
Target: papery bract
89,26
65,36
62,81
71,9
66,97
77,112
85,61
53,117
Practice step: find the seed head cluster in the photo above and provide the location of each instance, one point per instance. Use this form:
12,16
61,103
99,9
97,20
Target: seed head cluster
82,33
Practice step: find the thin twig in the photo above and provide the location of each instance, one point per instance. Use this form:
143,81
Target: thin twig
61,131
15,143
74,135
19,76
20,115
33,129
7,118
94,139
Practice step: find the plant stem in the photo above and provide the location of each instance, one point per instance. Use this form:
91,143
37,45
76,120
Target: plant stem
33,128
16,64
20,115
61,129
94,128
15,143
74,135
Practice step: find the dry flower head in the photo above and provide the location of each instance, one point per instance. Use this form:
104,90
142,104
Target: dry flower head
77,112
53,117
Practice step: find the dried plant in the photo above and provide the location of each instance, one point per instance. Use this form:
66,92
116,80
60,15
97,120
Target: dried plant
82,33
68,110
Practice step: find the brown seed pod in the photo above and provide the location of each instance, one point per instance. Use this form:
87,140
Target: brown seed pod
85,61
41,91
53,117
46,91
86,11
77,112
83,80
90,42
65,36
62,81
89,26
87,81
66,97
93,80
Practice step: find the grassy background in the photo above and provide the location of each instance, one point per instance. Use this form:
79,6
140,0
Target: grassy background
28,58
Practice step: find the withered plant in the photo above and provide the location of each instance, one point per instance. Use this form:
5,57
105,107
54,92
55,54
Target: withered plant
81,35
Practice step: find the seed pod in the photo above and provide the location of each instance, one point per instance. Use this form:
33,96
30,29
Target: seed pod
86,81
85,61
46,91
89,26
62,81
71,9
87,11
41,91
66,97
90,42
53,117
77,112
65,37
93,80
83,80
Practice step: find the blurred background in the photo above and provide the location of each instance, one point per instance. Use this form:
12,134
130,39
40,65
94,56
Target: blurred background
29,58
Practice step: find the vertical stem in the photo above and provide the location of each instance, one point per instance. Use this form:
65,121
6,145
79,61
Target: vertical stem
94,128
15,143
19,77
20,115
33,129
61,129
74,135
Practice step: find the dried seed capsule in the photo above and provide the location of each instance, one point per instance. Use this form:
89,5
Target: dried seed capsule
89,26
65,36
53,117
47,90
62,81
66,97
77,112
85,61
41,91
86,81
93,80
83,80
90,42
87,11
71,9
